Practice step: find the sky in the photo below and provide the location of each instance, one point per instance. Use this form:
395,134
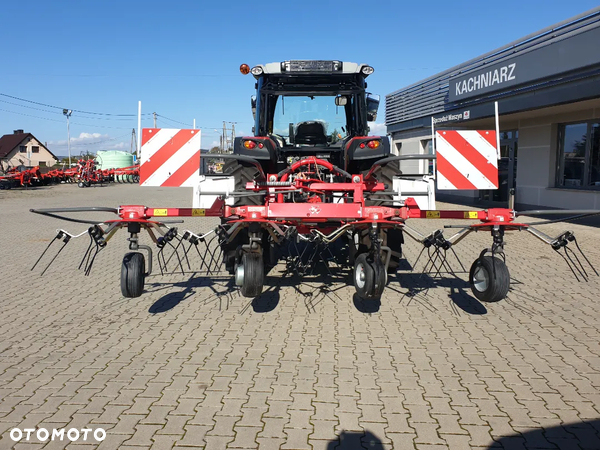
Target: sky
181,58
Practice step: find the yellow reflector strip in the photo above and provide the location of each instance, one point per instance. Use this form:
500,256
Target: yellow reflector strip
433,214
160,212
471,215
198,212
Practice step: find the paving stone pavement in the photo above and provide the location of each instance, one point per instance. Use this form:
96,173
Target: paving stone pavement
306,365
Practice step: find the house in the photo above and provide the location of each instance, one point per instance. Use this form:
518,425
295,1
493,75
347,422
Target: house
24,149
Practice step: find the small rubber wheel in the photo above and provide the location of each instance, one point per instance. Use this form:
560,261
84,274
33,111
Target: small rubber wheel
489,279
133,272
254,275
81,184
369,277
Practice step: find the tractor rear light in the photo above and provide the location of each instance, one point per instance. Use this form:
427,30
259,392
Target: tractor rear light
373,144
261,145
244,69
362,145
250,145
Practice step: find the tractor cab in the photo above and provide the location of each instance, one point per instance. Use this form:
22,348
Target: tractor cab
312,108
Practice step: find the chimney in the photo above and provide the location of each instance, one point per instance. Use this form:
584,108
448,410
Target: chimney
18,131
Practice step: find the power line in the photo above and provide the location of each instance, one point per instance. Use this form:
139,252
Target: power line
29,115
172,120
74,110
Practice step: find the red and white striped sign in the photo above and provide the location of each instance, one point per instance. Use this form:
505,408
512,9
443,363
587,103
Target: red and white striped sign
170,157
466,159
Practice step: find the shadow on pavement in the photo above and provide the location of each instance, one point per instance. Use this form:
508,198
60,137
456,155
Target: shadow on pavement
366,306
355,440
579,435
415,287
223,287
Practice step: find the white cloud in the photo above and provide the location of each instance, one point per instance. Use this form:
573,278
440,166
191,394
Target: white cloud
89,142
377,129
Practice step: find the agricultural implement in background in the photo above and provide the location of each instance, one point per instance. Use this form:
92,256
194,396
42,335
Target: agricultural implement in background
84,174
313,187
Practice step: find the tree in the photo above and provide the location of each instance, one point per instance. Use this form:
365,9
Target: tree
215,149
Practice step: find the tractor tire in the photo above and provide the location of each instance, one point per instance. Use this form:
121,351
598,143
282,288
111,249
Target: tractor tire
133,274
242,176
254,275
369,277
489,279
395,239
386,176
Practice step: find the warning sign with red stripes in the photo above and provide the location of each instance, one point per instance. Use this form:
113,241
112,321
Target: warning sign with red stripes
170,157
466,159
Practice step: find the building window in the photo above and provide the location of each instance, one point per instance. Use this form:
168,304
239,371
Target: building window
579,155
22,149
35,149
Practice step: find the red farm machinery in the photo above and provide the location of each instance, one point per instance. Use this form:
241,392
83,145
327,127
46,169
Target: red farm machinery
311,185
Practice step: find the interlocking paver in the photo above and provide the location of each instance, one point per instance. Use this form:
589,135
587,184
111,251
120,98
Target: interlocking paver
430,371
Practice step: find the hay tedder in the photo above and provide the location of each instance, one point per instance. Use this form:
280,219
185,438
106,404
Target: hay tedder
311,186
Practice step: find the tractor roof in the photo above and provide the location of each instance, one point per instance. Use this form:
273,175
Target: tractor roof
300,67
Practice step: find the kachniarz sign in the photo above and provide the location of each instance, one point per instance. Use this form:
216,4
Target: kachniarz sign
568,54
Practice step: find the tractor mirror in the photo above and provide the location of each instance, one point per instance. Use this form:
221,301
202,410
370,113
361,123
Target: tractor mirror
341,101
253,103
372,107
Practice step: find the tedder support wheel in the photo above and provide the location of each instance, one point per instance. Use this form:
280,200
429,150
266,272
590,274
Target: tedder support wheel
252,274
133,274
369,277
489,279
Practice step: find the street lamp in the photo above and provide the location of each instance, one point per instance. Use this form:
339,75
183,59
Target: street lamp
68,112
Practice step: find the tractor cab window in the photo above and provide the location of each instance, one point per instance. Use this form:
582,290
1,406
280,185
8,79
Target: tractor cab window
311,120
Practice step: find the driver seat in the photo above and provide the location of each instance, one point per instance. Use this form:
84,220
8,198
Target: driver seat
310,133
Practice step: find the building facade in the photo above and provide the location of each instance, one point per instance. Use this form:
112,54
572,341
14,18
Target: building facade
547,86
23,149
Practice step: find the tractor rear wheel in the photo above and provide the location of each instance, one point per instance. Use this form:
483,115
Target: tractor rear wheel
242,176
133,274
369,277
489,279
386,176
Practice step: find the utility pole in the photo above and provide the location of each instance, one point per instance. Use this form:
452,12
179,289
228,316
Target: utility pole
232,133
133,141
154,115
139,132
224,150
68,112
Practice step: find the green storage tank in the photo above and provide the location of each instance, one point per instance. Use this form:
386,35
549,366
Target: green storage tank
113,159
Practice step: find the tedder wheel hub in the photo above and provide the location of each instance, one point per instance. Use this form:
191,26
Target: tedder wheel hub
251,275
489,278
369,277
133,275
